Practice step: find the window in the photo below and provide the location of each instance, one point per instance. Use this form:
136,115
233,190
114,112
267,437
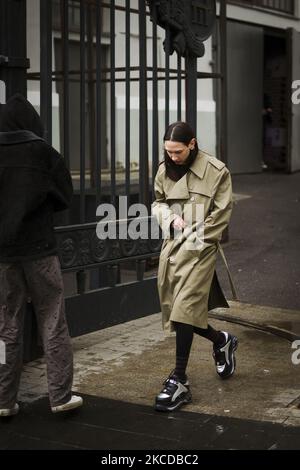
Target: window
284,6
74,15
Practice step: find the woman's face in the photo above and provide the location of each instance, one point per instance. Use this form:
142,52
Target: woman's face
179,152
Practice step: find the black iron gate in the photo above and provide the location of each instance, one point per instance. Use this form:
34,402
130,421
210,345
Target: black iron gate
107,94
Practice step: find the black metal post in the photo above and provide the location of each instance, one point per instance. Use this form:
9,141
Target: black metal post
99,62
66,83
179,82
127,94
91,93
223,42
143,128
224,127
191,91
82,109
167,77
46,67
13,61
113,102
155,113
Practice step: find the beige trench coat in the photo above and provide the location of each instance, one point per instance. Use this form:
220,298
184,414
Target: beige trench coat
186,277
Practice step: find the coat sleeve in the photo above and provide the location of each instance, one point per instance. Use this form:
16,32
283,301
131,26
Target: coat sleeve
160,208
61,191
220,213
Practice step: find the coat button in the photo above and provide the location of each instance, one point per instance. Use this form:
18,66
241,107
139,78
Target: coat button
172,260
192,198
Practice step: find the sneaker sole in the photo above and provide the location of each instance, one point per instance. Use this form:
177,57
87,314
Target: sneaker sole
62,408
11,412
159,407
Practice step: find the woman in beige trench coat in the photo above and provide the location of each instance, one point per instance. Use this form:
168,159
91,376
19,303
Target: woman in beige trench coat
193,206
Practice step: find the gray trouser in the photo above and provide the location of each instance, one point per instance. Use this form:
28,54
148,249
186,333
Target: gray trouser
42,281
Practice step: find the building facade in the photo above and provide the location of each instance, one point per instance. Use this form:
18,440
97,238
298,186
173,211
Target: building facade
262,63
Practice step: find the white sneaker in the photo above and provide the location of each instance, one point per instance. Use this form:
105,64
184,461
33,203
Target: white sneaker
9,411
75,402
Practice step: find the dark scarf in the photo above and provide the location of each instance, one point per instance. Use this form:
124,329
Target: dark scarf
174,171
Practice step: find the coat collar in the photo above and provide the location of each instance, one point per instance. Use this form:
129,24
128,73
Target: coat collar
180,189
199,165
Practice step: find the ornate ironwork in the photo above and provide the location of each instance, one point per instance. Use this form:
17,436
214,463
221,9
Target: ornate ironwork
80,248
190,23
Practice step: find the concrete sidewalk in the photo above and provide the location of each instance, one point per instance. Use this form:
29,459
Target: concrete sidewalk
123,368
129,362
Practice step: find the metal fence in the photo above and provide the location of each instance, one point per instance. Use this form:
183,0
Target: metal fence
84,64
80,35
90,50
84,67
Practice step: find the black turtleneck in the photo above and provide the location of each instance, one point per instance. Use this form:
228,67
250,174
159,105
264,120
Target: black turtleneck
174,171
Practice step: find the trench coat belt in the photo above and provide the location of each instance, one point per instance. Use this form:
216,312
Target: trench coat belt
233,290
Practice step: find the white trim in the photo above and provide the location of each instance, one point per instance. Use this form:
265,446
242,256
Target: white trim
2,352
261,17
2,92
35,96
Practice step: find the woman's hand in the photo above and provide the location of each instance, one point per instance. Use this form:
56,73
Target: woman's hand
178,223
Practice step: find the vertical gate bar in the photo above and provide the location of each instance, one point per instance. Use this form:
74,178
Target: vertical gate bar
98,179
140,266
155,136
223,43
191,91
82,110
113,275
66,95
13,42
91,92
179,85
167,77
127,106
143,127
46,67
112,102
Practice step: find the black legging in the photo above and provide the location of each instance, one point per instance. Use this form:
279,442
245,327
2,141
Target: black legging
184,340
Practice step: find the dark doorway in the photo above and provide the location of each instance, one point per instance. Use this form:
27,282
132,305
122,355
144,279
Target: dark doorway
245,89
275,110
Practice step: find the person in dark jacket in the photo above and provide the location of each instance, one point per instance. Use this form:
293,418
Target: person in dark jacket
34,183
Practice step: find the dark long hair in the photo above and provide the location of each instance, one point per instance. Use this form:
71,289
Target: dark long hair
180,132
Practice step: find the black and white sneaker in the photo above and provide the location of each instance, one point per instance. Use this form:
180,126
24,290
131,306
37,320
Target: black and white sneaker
224,356
174,394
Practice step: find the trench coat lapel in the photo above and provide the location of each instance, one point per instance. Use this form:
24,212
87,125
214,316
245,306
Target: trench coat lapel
199,165
180,190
